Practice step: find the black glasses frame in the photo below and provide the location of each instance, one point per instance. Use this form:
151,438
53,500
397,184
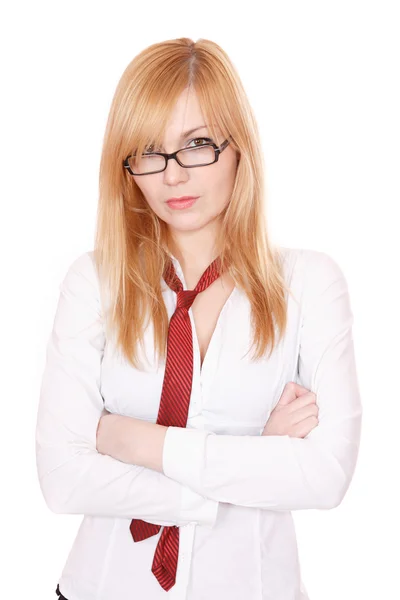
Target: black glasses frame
217,150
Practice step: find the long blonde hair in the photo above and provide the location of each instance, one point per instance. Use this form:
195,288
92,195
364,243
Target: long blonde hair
132,244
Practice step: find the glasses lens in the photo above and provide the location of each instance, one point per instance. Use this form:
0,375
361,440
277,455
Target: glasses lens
193,157
146,163
189,157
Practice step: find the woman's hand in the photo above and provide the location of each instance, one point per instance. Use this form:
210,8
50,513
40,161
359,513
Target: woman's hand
296,413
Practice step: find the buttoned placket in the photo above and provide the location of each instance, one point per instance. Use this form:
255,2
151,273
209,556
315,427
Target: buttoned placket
195,407
199,388
186,532
201,374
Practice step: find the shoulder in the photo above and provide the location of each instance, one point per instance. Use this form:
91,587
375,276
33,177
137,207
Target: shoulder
312,275
320,271
79,310
311,264
80,278
83,266
83,263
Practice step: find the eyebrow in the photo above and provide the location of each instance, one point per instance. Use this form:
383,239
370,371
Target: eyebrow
186,133
189,131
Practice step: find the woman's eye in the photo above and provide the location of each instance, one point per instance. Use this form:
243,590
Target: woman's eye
205,140
151,148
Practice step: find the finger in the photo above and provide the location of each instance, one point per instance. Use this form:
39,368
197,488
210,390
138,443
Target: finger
299,415
303,428
291,391
305,400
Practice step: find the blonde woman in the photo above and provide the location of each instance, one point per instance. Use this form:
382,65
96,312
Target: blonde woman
200,381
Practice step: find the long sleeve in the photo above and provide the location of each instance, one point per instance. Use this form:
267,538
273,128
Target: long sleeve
284,473
74,477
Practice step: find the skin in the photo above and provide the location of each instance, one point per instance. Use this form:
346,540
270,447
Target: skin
131,440
193,232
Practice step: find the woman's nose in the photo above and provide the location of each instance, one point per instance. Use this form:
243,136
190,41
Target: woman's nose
174,171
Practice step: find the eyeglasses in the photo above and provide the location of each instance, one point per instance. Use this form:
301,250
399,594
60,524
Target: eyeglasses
156,162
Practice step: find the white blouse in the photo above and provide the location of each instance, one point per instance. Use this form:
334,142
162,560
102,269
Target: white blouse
229,489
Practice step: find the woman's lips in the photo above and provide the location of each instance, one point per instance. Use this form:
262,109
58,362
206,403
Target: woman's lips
180,204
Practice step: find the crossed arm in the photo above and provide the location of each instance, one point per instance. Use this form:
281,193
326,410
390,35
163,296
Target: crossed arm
274,472
191,470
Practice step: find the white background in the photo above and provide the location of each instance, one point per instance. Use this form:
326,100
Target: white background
323,80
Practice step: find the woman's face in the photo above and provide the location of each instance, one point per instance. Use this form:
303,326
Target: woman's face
212,183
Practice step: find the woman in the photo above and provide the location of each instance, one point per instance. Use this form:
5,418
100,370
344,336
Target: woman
185,454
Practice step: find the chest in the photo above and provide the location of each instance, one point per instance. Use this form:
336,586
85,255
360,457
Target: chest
230,392
206,310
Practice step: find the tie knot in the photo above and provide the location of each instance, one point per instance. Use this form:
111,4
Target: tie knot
185,298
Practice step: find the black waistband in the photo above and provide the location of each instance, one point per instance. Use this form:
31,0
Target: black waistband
60,596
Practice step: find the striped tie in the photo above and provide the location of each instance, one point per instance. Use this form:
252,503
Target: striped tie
174,407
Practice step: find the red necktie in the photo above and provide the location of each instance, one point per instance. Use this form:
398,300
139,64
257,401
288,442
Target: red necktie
174,407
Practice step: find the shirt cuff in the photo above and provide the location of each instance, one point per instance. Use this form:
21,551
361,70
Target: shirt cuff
198,509
183,456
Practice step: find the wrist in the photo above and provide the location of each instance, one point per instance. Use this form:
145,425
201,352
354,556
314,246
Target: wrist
131,440
113,435
148,444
